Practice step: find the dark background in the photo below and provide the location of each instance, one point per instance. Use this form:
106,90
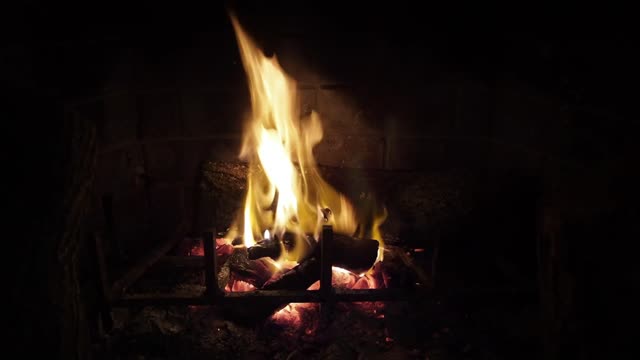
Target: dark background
58,55
569,54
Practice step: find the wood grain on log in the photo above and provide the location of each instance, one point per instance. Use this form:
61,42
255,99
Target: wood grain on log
349,253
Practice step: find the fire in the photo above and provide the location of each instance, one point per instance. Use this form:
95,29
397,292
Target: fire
342,278
291,315
239,286
285,191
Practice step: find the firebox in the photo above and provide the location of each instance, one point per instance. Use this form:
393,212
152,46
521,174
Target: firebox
289,204
295,237
314,181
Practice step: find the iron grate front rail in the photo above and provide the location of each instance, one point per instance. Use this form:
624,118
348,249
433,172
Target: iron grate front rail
116,295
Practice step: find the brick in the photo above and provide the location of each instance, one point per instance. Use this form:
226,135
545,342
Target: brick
118,168
350,151
473,110
295,61
503,156
107,167
189,202
122,72
209,112
159,117
116,175
419,154
94,112
428,111
132,221
340,114
307,100
521,118
439,153
468,153
164,161
145,219
166,211
345,61
209,63
121,119
155,68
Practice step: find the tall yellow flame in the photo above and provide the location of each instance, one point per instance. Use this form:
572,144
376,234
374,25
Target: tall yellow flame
285,191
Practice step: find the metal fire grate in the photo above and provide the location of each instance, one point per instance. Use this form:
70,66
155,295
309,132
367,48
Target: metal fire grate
115,295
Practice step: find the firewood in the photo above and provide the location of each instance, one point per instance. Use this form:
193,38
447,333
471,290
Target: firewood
271,248
353,254
350,253
255,272
297,278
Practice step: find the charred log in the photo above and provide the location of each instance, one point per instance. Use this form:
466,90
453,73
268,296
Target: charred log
353,254
350,253
298,278
255,272
356,255
271,248
290,242
237,241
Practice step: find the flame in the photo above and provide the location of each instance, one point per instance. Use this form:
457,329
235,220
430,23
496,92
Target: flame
285,192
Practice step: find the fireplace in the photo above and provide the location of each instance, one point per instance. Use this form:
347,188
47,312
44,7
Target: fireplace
472,166
399,197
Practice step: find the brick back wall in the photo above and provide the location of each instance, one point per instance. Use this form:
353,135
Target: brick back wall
163,114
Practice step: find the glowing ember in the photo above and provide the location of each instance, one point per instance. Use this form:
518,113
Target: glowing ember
223,247
341,278
290,314
197,250
285,191
239,286
345,279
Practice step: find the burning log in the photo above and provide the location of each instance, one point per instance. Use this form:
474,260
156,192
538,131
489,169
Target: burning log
255,272
350,253
297,278
347,252
353,254
271,248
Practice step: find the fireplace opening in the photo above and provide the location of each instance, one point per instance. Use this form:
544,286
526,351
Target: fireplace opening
292,181
286,239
